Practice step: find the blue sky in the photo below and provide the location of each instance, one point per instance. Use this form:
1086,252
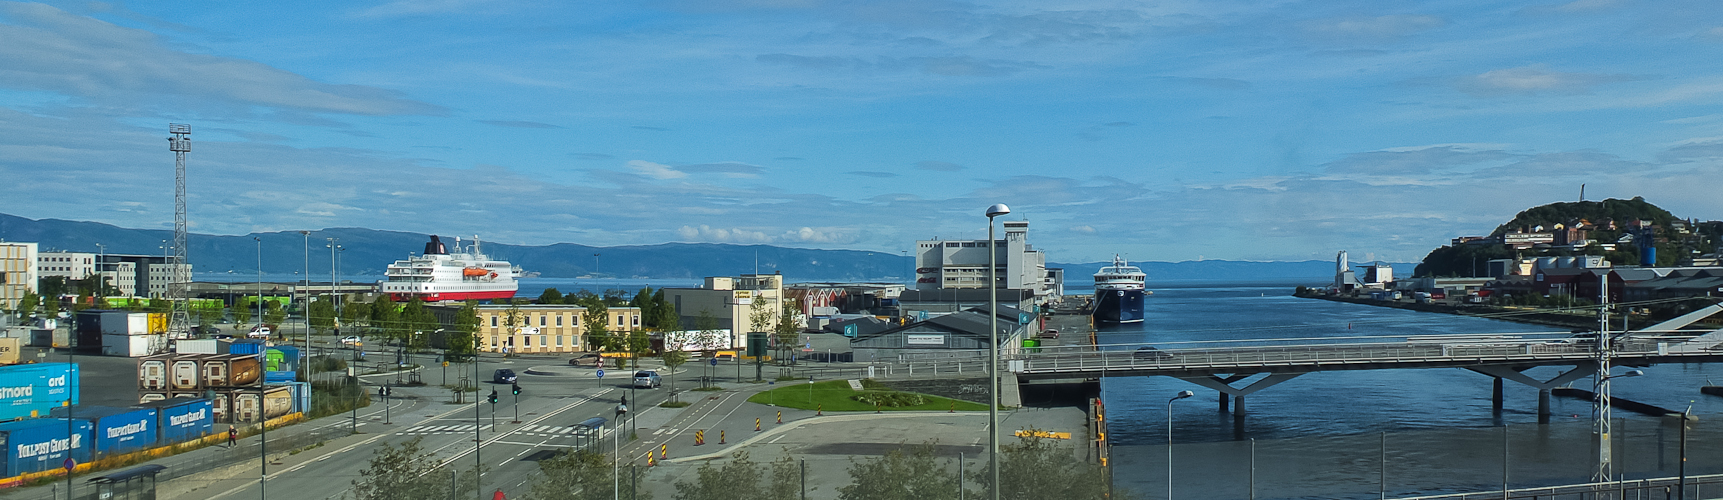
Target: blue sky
1162,130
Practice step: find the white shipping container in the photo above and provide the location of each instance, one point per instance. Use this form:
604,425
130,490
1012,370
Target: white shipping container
201,346
132,346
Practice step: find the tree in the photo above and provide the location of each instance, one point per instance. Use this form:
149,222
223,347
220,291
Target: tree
53,286
648,308
596,323
907,476
672,359
416,323
639,344
463,339
737,480
273,313
321,314
408,472
615,297
550,296
1024,467
208,312
580,475
666,319
786,479
242,310
355,312
27,305
786,331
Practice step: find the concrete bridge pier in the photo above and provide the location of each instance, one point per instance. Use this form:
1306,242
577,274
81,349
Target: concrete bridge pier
1543,406
1496,397
1224,385
1223,401
1516,374
1238,408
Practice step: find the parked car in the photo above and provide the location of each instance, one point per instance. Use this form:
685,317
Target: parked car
222,336
591,358
261,332
205,330
504,376
647,379
350,340
1151,354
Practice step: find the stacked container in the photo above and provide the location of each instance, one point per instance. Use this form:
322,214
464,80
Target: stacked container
31,390
40,444
220,378
182,419
117,430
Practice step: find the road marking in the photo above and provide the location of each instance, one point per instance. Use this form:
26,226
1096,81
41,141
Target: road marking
775,440
332,453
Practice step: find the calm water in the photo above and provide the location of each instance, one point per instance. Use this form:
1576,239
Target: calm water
1321,435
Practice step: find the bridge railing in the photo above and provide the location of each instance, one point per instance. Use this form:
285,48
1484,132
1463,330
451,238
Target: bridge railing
1152,358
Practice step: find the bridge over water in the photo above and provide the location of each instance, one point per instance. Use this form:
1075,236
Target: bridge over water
1239,368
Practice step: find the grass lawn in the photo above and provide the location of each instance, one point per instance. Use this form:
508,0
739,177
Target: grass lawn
834,395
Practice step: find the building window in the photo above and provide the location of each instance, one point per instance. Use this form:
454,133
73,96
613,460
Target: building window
559,321
559,341
619,321
493,321
542,341
636,319
542,320
493,342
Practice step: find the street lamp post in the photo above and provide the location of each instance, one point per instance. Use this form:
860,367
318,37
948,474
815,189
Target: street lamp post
259,279
996,210
1180,395
1681,468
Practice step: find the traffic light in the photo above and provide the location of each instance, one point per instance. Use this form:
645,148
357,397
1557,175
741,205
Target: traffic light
493,398
516,389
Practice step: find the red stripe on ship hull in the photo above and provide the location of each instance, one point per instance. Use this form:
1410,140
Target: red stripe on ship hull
439,296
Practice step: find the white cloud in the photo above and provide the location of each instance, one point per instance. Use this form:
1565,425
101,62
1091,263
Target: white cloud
52,50
1534,79
722,235
1370,29
656,170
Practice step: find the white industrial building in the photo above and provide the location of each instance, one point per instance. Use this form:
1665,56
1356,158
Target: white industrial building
962,264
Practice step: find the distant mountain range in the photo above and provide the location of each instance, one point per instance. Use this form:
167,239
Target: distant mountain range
368,251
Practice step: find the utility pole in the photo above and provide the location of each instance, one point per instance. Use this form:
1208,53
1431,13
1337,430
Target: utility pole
179,274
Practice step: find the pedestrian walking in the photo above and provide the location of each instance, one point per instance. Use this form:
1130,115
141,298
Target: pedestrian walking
232,436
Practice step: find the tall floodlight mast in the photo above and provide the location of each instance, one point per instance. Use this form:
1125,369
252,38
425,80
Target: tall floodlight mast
179,271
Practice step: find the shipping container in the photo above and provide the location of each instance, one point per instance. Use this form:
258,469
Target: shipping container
31,390
9,350
231,370
158,323
185,373
41,444
245,406
277,401
281,358
301,396
117,430
153,372
151,397
182,419
133,346
202,346
250,347
220,404
43,337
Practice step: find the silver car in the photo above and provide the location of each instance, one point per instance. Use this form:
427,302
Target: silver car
647,379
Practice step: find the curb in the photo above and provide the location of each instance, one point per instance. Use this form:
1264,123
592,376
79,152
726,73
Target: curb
798,423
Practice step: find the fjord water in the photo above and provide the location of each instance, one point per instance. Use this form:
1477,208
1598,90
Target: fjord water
1322,435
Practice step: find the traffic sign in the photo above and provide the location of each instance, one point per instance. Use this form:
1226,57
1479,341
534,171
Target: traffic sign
600,373
70,463
714,361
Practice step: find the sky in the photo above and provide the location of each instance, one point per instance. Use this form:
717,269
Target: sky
1161,130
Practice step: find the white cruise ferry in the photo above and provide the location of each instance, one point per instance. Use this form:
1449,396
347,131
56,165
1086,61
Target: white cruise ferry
439,275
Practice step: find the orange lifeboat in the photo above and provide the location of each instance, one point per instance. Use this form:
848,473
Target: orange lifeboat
475,272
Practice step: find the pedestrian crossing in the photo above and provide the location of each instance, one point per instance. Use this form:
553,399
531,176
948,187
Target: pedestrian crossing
420,430
526,430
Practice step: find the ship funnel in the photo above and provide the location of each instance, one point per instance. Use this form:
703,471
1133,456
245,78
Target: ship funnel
435,247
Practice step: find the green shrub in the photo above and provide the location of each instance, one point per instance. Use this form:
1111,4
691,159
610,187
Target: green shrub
890,398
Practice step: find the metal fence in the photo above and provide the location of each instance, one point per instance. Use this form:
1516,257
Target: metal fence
1151,358
188,464
1664,488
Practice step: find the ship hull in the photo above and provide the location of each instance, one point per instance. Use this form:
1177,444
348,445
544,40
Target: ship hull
1119,306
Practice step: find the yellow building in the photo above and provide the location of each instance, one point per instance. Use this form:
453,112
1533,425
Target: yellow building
17,272
545,328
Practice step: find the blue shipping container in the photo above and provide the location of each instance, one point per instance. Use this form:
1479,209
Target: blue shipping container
252,347
33,389
117,430
41,444
182,419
